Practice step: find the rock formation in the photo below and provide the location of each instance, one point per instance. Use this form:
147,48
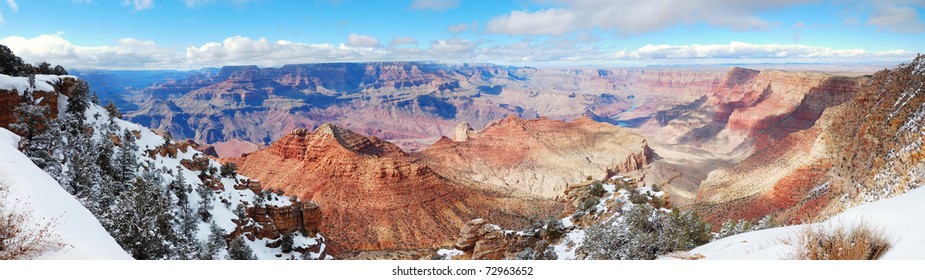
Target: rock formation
463,132
374,195
48,98
241,108
539,158
865,149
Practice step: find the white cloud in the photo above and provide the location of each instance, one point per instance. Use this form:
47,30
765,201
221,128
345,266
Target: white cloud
398,41
542,22
239,50
635,17
436,5
131,53
126,53
896,18
452,46
757,52
462,27
139,5
361,41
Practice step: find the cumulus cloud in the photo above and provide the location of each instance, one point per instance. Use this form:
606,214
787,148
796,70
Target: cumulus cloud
239,50
452,46
139,5
752,52
635,17
542,22
896,18
436,5
126,53
361,41
398,41
131,53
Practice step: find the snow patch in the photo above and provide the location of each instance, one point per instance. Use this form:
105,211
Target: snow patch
38,193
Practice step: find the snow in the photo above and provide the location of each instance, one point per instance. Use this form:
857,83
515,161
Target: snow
897,217
567,222
38,193
448,254
21,84
565,250
222,215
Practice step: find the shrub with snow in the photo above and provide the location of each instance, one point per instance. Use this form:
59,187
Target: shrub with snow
20,236
860,242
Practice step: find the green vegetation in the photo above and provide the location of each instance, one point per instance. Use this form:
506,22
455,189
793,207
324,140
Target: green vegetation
645,233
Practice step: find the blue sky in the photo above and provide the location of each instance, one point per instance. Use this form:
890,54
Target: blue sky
189,34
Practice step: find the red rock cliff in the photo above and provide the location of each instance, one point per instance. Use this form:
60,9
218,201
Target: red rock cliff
374,196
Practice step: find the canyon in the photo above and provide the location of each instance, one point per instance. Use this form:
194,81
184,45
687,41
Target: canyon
399,155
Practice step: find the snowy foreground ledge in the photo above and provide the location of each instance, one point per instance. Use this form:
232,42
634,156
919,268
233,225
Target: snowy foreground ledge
36,192
899,218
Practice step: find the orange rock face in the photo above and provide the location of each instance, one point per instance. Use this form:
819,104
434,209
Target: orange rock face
539,158
374,195
861,149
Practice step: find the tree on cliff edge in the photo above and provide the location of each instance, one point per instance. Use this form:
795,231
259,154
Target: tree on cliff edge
40,135
10,64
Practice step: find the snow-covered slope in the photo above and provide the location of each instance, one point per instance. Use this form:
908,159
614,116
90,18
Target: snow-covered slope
224,201
85,235
899,218
31,190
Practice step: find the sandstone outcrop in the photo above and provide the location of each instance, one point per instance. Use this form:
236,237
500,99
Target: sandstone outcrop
273,221
480,240
463,132
541,157
10,99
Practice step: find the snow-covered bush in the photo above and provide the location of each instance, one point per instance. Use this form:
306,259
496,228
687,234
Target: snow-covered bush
859,242
644,233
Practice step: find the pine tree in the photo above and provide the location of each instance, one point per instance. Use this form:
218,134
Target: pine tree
205,202
214,244
43,68
286,242
10,64
77,105
142,224
239,250
113,110
83,173
58,70
125,164
40,135
184,219
104,161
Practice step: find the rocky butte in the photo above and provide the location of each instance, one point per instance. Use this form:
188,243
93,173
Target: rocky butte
537,158
375,196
